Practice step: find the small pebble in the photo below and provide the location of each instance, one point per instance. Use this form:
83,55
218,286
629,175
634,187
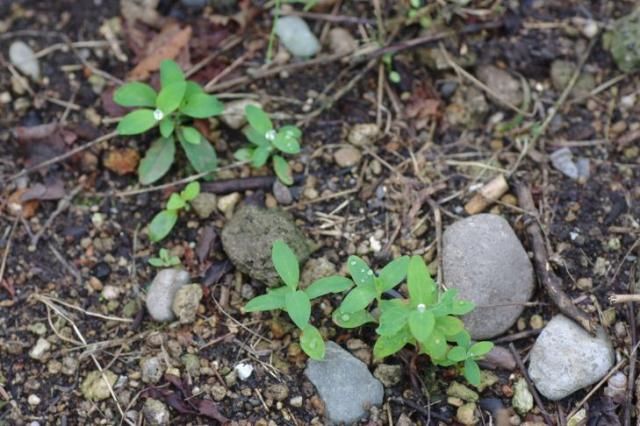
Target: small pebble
536,322
296,401
347,156
110,292
185,303
23,58
204,204
363,134
297,38
282,193
40,349
227,203
341,41
243,370
162,292
33,400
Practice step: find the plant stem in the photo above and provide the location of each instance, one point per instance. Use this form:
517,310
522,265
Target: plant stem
272,36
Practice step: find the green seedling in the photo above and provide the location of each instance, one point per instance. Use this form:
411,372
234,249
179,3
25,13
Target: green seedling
163,222
164,259
467,352
296,302
428,319
171,110
267,142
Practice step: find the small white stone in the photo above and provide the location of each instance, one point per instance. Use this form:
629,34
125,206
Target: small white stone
110,292
243,370
23,58
33,400
375,244
297,38
41,347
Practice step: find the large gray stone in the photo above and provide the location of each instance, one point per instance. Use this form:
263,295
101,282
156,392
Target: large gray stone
247,239
484,260
566,358
162,291
345,385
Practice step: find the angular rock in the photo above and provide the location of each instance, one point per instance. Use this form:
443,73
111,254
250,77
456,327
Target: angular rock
566,358
506,87
23,58
94,387
204,204
341,41
185,303
155,412
522,400
623,42
247,239
363,134
468,108
388,374
485,261
297,38
345,385
152,369
162,291
40,349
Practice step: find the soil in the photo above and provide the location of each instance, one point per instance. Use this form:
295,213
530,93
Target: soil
55,288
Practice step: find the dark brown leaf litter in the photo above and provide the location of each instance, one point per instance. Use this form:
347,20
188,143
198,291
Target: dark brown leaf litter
373,209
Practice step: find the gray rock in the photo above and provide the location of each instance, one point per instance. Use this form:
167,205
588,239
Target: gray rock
561,73
155,412
345,385
162,291
485,261
40,349
247,239
152,369
341,41
185,303
522,400
282,193
23,58
468,108
566,358
297,38
95,388
204,204
506,87
388,374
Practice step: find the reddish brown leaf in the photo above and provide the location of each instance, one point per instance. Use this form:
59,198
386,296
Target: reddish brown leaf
122,161
17,207
166,45
51,191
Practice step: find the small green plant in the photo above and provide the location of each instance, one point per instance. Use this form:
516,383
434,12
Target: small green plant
164,259
267,141
171,110
163,222
296,302
427,319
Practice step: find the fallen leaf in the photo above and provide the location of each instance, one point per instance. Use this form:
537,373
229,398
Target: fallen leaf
122,161
17,207
167,45
51,191
205,242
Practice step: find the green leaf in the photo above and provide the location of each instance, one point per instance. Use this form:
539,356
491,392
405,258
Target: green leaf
291,131
135,94
421,324
192,89
444,305
154,261
161,224
357,299
166,127
282,169
191,191
389,345
312,343
260,156
393,274
255,137
274,299
472,372
435,345
157,160
480,349
170,97
360,272
351,320
201,105
175,202
191,135
457,354
461,307
462,339
298,307
201,156
286,263
449,325
138,121
243,154
286,143
392,320
327,285
422,289
170,73
258,119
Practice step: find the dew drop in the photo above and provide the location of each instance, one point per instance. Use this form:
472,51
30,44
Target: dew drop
158,115
270,135
369,272
345,317
421,307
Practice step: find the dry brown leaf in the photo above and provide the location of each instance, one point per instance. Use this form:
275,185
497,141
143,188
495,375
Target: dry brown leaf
122,161
166,45
17,207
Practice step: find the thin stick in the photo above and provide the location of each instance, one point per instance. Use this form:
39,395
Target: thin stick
7,249
532,388
615,299
545,274
62,157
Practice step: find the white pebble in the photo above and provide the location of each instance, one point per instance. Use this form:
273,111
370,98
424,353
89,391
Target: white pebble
243,370
21,55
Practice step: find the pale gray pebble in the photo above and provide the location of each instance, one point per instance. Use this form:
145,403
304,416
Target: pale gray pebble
297,38
565,358
282,193
23,58
484,260
186,301
344,384
162,292
155,412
